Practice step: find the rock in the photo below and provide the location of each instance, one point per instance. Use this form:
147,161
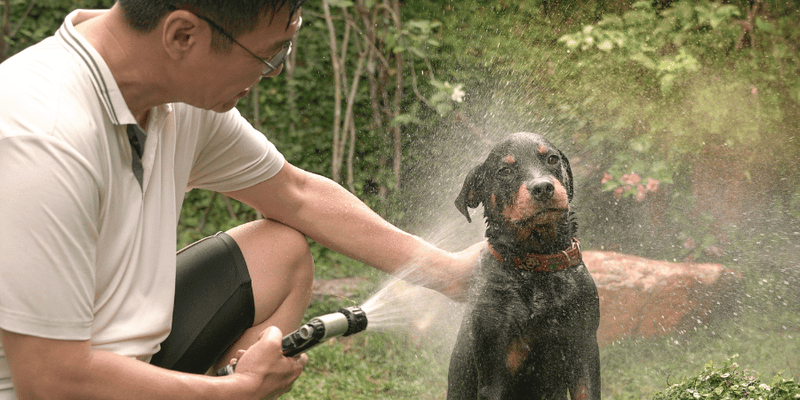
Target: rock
640,297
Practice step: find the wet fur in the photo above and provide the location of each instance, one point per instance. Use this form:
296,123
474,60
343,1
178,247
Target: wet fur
527,335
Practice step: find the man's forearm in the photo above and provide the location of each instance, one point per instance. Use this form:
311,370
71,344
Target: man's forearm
335,218
58,369
330,215
47,368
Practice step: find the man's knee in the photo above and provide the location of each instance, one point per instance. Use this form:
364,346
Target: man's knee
281,269
275,253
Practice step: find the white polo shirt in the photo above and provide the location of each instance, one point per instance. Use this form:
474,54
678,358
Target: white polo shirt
85,251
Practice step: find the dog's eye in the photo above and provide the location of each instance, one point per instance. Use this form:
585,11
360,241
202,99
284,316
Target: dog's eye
553,159
504,171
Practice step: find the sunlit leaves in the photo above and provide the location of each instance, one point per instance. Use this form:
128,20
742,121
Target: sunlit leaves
655,40
728,381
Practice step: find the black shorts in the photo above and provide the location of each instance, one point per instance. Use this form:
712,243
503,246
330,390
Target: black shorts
213,305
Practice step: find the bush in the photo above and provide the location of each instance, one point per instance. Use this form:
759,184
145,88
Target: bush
728,382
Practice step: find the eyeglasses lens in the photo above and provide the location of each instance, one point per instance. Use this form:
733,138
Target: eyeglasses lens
277,59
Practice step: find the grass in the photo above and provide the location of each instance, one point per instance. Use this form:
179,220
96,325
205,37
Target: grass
390,366
766,343
370,366
394,366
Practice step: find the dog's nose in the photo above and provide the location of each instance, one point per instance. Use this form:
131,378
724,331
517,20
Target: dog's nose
542,189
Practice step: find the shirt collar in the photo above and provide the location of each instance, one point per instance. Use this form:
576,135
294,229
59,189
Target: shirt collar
103,81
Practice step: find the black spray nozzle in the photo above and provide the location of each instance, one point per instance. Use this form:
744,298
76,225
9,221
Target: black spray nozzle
344,322
356,319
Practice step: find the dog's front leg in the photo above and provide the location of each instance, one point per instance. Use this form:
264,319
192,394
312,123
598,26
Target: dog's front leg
493,361
585,380
462,380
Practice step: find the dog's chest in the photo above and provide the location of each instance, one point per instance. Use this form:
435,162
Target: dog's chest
507,289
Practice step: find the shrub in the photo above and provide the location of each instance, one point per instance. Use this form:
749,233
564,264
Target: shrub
727,381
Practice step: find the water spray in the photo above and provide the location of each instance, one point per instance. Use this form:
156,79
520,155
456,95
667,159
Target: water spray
344,322
401,304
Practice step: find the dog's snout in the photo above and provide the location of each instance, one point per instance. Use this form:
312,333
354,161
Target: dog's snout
542,189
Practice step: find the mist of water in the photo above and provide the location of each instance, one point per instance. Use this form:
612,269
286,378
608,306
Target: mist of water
402,304
405,304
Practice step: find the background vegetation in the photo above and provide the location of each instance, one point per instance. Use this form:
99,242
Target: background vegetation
681,119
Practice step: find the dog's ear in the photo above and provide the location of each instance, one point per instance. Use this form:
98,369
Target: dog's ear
471,193
568,171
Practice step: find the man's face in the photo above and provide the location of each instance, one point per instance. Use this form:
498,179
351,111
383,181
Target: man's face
230,74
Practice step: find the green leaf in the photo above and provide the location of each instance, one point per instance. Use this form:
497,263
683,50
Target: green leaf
402,119
643,60
340,3
765,26
643,5
666,82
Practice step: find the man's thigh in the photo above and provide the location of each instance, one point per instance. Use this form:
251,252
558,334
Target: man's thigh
214,305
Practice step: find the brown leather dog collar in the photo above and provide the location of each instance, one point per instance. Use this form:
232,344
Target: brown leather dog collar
546,262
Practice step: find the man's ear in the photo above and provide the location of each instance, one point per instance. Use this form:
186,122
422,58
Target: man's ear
182,30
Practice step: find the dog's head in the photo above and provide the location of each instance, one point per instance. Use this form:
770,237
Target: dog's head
525,186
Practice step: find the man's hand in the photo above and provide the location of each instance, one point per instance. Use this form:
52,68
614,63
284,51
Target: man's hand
265,366
464,265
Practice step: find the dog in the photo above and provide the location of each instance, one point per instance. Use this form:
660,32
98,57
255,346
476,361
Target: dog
531,330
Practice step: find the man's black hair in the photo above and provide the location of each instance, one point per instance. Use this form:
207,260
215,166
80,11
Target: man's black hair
235,16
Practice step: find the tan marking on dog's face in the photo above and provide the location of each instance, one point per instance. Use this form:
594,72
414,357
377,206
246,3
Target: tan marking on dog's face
542,149
560,197
509,159
525,206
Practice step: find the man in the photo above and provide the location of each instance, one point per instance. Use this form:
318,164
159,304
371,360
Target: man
103,128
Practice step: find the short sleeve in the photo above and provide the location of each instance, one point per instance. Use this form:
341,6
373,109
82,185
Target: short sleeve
48,235
231,154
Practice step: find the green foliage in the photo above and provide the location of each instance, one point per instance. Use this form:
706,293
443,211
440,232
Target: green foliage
645,92
415,37
445,96
726,381
30,21
662,42
332,265
686,52
205,213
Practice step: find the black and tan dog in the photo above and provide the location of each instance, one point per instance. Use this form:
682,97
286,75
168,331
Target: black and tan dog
531,330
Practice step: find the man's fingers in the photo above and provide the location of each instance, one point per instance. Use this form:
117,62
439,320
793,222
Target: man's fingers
272,333
302,359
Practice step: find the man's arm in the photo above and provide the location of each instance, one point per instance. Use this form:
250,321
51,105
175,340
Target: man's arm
60,369
327,213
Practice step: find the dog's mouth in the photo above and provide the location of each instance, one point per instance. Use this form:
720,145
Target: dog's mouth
541,226
545,216
526,212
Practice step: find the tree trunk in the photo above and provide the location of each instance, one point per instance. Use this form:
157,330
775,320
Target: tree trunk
336,162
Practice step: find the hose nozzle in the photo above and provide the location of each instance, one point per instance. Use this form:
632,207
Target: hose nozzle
344,322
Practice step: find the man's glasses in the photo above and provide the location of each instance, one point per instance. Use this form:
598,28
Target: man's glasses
270,65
